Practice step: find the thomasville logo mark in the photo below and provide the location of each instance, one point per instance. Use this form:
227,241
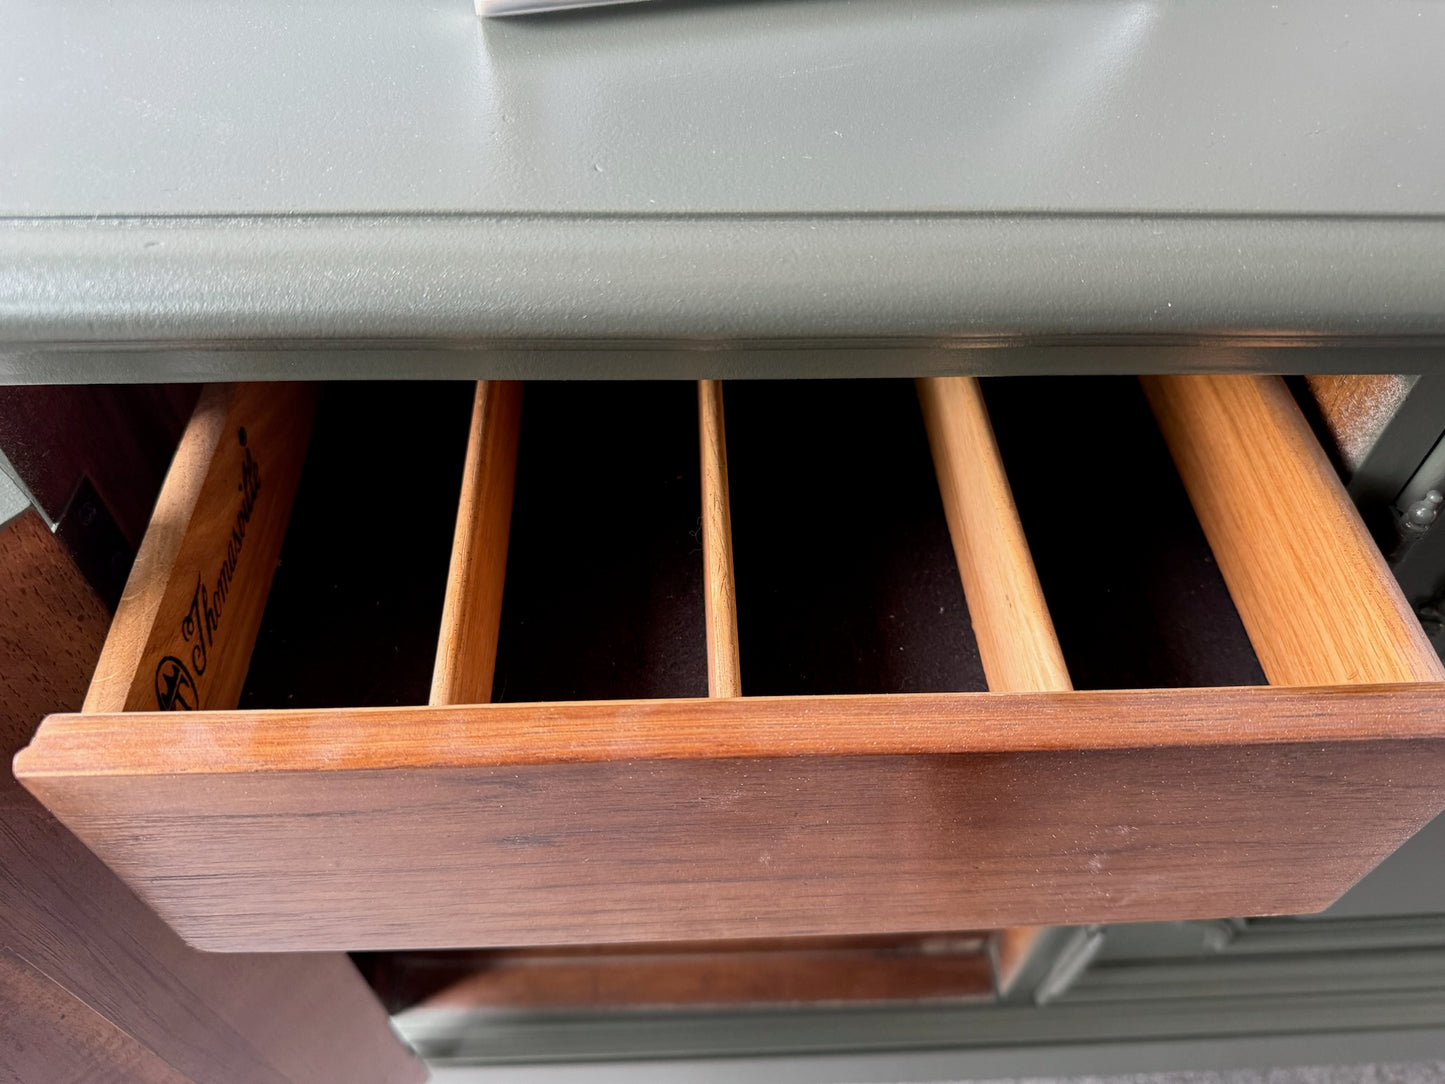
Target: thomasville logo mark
176,688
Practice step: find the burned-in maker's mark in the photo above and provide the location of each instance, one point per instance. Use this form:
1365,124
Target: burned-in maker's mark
175,683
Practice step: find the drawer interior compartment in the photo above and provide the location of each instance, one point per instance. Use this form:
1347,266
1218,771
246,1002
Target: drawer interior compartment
608,696
603,589
1137,598
353,610
847,578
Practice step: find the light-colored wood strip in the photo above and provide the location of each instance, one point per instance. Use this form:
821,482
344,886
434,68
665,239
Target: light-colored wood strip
186,624
1314,593
472,611
720,600
720,728
1011,622
744,817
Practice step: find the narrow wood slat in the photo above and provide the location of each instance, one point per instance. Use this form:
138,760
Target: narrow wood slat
1314,593
1017,644
184,630
472,610
1011,622
743,817
720,601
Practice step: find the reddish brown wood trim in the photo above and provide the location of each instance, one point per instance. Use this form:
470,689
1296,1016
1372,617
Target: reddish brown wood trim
349,739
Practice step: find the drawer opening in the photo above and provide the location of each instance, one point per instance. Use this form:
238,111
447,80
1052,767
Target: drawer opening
1136,595
1013,802
352,616
846,579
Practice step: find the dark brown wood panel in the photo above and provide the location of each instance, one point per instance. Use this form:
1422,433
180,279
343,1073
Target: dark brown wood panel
52,624
70,923
121,437
50,1035
614,821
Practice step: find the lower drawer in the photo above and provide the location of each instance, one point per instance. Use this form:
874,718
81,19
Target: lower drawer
710,733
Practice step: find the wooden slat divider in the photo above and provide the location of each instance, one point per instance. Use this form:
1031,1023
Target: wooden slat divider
1314,593
1016,640
1017,644
182,639
720,600
472,610
188,619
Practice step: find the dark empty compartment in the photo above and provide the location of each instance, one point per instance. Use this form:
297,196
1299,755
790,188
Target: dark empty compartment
603,597
1136,597
845,571
355,609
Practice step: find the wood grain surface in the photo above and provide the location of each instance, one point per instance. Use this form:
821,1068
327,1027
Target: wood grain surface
184,630
737,817
52,626
123,980
802,971
472,609
51,1036
1356,409
1016,640
1314,593
720,599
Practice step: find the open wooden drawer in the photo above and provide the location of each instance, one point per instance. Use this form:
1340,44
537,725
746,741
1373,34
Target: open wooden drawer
468,823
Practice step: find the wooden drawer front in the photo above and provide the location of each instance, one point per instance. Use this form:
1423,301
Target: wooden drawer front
466,823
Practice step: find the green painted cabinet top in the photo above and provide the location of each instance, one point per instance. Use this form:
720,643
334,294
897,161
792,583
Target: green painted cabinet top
912,174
